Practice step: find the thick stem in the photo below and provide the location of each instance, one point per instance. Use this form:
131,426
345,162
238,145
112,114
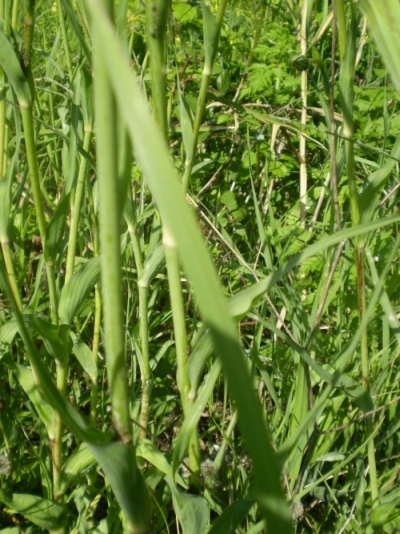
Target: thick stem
109,219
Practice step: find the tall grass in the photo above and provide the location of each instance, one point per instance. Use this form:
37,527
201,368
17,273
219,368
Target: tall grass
139,338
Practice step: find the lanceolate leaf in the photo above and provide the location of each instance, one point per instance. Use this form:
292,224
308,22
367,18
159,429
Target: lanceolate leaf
77,289
241,303
80,460
192,510
9,62
152,155
119,464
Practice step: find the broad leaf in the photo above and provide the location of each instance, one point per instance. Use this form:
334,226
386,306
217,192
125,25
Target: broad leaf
42,512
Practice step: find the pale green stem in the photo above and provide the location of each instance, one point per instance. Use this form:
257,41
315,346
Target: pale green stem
3,159
304,83
342,31
27,120
156,24
15,12
202,98
201,105
359,253
76,210
98,306
95,352
111,279
143,325
181,346
11,272
2,124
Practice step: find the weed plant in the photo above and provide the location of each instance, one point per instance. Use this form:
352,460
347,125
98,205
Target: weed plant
199,320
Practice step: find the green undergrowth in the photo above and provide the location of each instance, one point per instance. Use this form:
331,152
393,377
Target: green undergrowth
199,271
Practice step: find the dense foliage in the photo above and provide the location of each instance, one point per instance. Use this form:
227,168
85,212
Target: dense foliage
280,120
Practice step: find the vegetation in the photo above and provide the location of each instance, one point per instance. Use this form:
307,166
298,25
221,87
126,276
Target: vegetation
199,324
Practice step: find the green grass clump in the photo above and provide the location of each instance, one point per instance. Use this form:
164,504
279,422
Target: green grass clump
199,267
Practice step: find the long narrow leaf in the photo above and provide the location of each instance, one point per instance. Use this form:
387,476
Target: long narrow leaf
152,155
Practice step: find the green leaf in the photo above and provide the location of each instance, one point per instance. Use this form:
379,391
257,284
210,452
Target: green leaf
9,62
369,197
76,464
148,451
211,36
77,289
183,12
151,266
384,23
191,510
232,516
186,123
192,419
56,338
44,410
118,462
152,156
229,199
244,301
383,513
85,357
56,227
42,512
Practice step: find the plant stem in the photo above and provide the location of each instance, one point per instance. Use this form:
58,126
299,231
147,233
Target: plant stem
347,94
143,321
98,304
180,334
75,212
109,219
156,39
304,83
202,98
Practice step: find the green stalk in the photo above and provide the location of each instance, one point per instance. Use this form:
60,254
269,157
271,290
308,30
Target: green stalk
347,95
156,38
109,219
10,271
75,212
156,18
212,30
304,84
29,23
2,122
130,218
27,120
143,320
3,159
15,12
98,304
341,22
95,352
